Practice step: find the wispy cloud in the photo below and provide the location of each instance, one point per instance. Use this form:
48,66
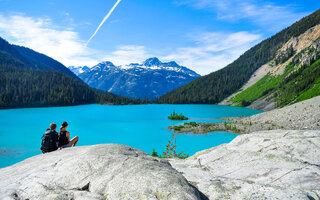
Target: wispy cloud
213,50
43,36
261,13
63,44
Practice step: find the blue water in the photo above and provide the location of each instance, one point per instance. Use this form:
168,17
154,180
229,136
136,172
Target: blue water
140,126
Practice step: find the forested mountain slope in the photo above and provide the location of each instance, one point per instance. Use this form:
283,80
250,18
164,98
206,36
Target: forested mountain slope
42,61
30,79
297,80
218,85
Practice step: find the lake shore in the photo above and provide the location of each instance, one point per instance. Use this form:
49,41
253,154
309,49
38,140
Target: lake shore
264,164
300,116
275,164
96,123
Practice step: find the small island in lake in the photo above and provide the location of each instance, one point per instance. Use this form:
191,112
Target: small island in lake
175,116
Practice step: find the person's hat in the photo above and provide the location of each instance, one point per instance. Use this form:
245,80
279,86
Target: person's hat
64,124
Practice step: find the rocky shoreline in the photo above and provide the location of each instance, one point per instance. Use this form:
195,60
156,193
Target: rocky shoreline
277,164
300,116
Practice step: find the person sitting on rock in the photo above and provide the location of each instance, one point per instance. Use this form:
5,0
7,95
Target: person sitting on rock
64,137
49,140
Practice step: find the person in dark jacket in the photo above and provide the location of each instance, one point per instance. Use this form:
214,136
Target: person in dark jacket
64,137
50,139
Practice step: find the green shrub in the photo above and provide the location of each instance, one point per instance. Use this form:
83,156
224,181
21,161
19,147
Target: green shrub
245,103
171,149
191,124
154,153
178,128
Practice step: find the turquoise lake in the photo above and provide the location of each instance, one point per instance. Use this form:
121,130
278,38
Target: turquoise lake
139,126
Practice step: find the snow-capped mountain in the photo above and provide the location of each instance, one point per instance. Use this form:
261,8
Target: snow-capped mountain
149,79
78,70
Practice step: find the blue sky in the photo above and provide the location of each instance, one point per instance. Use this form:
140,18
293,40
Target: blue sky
204,35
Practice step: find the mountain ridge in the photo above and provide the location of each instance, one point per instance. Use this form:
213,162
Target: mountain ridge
292,76
43,61
32,79
215,87
277,67
78,69
149,79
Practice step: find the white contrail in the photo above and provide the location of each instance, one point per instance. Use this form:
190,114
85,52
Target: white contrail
104,19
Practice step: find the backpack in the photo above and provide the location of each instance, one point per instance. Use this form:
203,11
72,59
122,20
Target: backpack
49,141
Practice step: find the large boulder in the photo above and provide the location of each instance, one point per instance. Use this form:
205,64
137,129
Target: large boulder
263,165
107,171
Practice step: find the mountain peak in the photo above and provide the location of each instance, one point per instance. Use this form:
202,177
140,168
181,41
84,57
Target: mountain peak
173,64
106,63
85,68
152,62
